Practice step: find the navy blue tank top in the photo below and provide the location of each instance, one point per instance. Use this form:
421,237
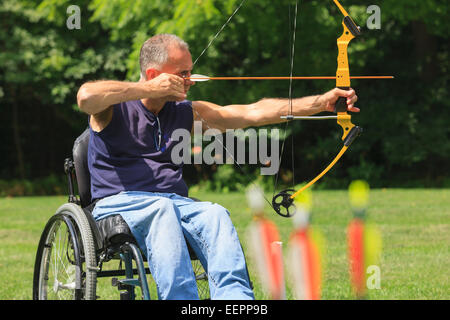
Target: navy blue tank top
132,153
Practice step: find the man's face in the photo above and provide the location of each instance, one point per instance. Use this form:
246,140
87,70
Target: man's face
180,64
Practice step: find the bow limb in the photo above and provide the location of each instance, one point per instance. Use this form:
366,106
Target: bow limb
343,149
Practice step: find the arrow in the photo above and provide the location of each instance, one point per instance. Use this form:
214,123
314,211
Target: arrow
305,253
363,239
202,78
264,246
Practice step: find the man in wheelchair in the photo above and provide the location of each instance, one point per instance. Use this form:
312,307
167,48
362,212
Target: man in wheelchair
132,173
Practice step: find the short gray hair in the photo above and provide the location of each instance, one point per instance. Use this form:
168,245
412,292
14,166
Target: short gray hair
155,51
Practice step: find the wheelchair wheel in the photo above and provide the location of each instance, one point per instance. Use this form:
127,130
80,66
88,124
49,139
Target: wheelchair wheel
202,280
65,267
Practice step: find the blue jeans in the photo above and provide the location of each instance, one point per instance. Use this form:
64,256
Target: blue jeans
163,222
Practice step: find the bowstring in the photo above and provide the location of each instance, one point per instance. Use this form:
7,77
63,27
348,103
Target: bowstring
292,57
220,30
290,111
290,90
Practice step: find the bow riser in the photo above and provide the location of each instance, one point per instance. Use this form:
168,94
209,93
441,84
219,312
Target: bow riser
350,31
343,71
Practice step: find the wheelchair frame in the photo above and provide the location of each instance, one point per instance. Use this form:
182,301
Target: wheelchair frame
72,250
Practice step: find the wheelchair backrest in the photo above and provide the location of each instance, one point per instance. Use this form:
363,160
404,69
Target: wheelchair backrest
79,152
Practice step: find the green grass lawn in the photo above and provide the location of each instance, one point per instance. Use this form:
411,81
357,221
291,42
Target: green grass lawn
415,226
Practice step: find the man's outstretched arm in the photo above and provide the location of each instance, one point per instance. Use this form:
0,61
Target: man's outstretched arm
268,110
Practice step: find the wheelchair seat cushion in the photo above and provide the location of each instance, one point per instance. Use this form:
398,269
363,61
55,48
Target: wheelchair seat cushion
114,230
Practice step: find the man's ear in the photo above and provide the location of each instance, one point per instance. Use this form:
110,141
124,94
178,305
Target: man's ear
151,73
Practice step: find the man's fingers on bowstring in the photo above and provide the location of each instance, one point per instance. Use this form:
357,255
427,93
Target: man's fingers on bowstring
171,79
188,83
176,87
178,95
176,80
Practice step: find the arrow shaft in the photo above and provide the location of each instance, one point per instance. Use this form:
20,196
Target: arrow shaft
286,78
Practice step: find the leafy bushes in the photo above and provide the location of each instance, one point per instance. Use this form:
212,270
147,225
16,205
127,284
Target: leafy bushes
51,185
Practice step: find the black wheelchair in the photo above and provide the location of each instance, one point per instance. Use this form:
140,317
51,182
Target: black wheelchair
74,247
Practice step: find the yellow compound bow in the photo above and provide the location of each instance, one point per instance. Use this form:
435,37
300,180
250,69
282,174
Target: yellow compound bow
283,202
